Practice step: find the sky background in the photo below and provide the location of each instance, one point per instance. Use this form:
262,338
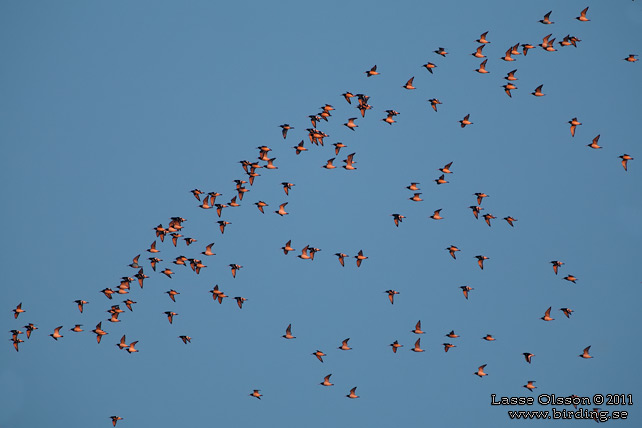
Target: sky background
112,112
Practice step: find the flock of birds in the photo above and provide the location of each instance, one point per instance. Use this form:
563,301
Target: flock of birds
209,201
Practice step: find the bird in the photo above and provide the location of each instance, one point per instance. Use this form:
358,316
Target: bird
482,38
556,265
413,187
511,76
526,47
447,346
122,344
76,328
488,338
115,419
530,385
304,254
329,165
433,103
344,345
81,304
341,257
284,129
168,272
185,339
281,211
594,144
288,332
547,315
172,294
134,263
56,334
631,58
208,250
441,51
480,261
360,257
508,55
99,332
398,218
337,147
170,316
465,289
391,295
574,123
18,310
436,216
567,311
429,66
585,354
353,393
372,72
476,210
30,328
488,217
222,224
234,267
240,301
625,160
260,205
326,381
446,168
417,347
510,220
538,91
287,248
287,187
547,19
441,180
319,355
256,394
152,248
347,95
395,345
480,196
508,88
408,84
478,52
465,121
480,371
349,161
417,329
452,250
350,124
130,349
582,16
570,278
528,356
299,148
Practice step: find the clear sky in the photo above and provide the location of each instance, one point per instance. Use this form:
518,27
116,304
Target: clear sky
113,111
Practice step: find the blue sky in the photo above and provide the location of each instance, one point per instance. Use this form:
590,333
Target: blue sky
112,113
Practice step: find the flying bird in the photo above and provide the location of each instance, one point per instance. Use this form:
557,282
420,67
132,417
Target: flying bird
452,249
360,257
538,91
528,356
547,315
284,129
408,84
344,345
18,310
417,329
480,371
574,123
547,19
585,354
353,393
465,289
56,334
288,332
326,381
319,355
465,121
594,144
625,160
256,394
372,72
530,385
395,345
398,218
115,419
391,295
482,38
582,16
417,347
